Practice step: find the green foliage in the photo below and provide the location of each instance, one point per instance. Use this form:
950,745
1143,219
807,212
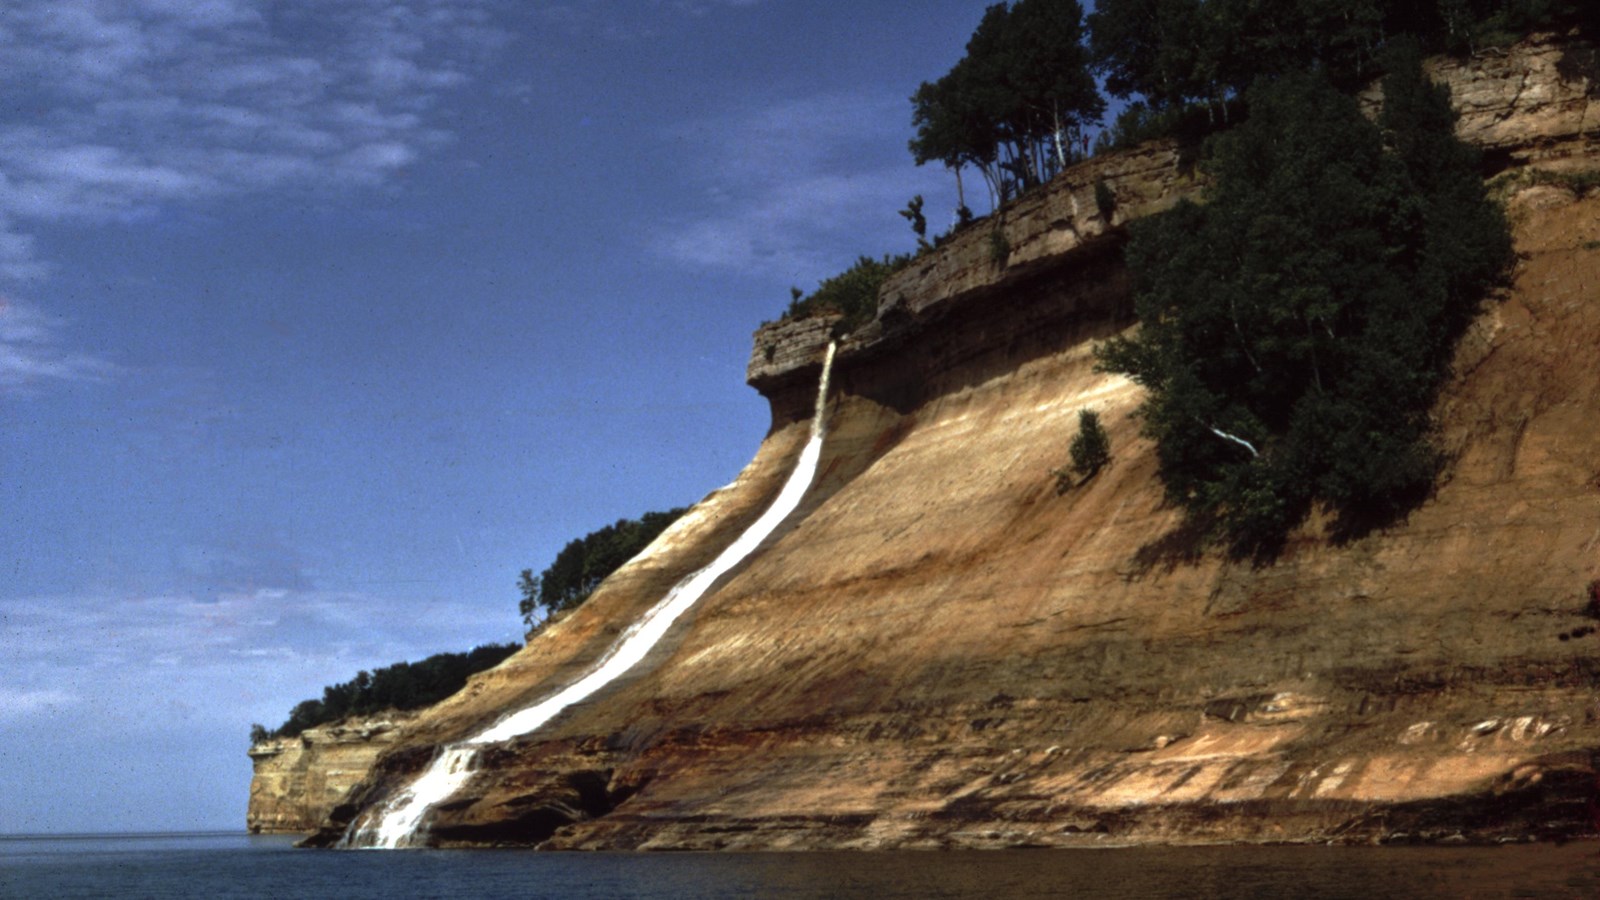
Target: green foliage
1090,451
1173,53
852,293
585,562
919,222
1466,26
1156,49
1296,327
400,686
1173,56
1090,448
1011,105
1190,124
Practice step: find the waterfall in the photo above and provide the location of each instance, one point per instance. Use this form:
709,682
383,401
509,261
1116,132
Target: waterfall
397,821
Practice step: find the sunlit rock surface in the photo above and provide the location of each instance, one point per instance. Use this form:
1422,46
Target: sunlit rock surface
299,780
940,650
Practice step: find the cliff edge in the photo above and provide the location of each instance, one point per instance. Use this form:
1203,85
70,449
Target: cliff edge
939,650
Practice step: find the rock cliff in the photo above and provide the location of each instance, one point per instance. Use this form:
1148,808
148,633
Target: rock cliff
940,650
299,780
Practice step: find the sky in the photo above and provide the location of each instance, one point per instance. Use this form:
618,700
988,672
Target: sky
320,320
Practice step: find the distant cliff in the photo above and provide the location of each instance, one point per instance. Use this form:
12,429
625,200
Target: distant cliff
298,780
939,650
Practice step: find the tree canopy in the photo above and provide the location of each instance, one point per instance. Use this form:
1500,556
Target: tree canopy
585,562
401,686
1296,327
1014,103
1170,53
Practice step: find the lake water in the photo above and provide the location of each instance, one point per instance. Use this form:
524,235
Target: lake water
226,866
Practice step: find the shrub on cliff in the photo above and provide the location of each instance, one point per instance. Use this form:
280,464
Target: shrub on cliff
1090,451
1296,328
585,562
1090,448
852,293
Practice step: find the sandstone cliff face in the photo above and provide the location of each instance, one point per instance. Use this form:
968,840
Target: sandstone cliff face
941,650
299,780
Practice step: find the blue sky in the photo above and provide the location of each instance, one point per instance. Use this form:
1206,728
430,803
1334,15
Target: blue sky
319,321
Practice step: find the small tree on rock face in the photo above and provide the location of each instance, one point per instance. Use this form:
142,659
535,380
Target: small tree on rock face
528,585
1090,448
1090,451
919,222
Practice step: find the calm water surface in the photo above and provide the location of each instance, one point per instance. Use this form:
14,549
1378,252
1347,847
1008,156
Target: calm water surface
224,866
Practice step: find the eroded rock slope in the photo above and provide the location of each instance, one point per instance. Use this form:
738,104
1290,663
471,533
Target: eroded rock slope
942,650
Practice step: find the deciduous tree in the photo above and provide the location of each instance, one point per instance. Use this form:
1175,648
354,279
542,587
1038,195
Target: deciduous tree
1296,327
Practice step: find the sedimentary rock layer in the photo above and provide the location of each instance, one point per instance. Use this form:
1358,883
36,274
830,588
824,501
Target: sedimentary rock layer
942,649
298,780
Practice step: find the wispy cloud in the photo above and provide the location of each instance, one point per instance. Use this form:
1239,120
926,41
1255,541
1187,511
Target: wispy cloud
792,185
32,353
627,21
126,106
118,110
17,704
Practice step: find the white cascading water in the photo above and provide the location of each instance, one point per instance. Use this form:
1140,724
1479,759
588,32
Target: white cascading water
396,822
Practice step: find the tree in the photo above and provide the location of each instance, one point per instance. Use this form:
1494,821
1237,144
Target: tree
1296,328
1044,66
1464,26
1091,447
955,128
585,562
1013,103
1172,53
401,686
919,222
1154,49
529,586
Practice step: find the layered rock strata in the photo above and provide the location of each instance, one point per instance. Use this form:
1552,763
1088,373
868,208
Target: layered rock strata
299,780
942,650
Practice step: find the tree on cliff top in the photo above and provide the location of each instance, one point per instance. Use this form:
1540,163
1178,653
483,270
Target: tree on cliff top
401,686
1011,105
1296,328
1170,56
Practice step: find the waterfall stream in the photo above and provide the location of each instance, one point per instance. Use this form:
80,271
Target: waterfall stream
396,823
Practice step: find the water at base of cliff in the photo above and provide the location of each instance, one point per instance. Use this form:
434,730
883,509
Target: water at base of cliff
227,866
